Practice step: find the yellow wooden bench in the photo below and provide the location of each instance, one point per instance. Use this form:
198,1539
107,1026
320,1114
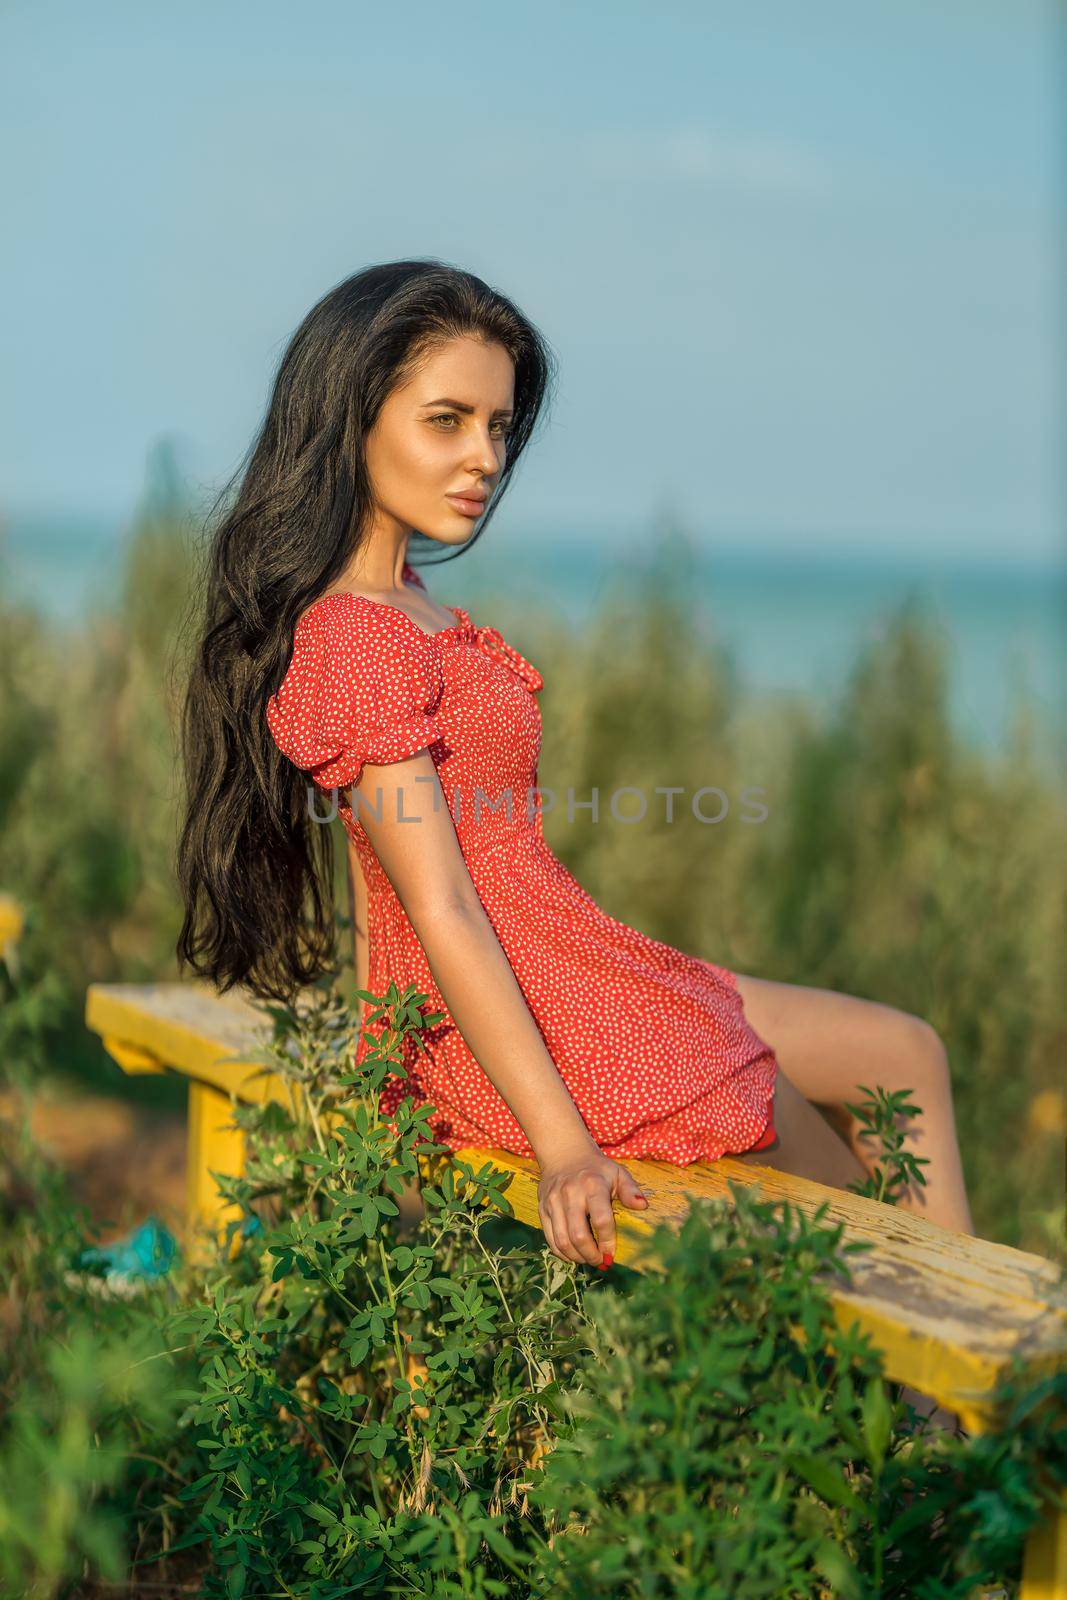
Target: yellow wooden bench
12,922
948,1312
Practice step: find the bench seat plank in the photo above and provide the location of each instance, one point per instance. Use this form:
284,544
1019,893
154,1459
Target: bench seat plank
948,1312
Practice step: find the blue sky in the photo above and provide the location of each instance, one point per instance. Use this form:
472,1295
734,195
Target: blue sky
798,262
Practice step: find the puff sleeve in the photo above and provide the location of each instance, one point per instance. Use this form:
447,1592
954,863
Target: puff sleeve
361,686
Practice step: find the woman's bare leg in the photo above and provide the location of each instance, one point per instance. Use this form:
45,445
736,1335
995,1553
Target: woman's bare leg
827,1045
807,1146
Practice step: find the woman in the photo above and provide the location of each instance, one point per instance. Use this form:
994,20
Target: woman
405,401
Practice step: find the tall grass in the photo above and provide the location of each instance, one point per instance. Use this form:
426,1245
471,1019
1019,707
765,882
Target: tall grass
893,862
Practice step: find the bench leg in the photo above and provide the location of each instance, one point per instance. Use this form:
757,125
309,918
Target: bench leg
214,1144
1045,1559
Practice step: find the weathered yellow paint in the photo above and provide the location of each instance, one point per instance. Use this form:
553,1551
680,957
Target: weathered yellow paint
215,1145
214,1039
1045,1560
12,922
131,1058
948,1312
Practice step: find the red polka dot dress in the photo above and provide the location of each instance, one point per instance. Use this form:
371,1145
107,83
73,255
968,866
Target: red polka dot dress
652,1043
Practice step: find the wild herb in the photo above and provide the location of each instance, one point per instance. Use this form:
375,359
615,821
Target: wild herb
381,1383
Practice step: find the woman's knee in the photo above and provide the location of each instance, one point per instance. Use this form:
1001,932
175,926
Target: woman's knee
929,1057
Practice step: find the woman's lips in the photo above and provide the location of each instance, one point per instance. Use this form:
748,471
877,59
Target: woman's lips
469,508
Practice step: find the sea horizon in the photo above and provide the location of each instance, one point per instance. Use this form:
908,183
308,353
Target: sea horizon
794,616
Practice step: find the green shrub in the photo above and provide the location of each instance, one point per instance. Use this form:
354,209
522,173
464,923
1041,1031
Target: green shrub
728,1441
84,1380
440,1406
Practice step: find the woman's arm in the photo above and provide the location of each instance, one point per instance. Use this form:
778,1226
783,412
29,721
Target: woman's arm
357,901
415,840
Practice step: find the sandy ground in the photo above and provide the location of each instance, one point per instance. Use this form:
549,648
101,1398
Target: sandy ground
125,1162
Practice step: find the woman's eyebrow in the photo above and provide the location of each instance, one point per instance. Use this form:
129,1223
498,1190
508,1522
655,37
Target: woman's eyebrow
501,411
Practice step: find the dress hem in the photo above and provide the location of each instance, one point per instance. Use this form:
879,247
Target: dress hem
480,1139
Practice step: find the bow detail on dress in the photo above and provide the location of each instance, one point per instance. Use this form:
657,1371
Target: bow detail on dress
492,641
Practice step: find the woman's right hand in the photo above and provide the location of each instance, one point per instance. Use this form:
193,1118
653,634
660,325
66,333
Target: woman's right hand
576,1190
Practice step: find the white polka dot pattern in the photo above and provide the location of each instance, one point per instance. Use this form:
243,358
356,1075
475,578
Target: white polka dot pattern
652,1043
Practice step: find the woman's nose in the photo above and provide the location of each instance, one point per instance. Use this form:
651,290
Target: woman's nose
484,456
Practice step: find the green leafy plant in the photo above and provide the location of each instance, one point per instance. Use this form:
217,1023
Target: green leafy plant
895,1169
728,1440
83,1379
380,1383
383,1401
365,1398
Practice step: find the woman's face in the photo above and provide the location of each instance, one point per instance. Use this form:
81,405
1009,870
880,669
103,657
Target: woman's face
442,434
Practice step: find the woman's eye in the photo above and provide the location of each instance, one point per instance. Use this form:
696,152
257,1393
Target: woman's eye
450,416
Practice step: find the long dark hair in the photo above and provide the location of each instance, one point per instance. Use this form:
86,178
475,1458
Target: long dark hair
256,873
